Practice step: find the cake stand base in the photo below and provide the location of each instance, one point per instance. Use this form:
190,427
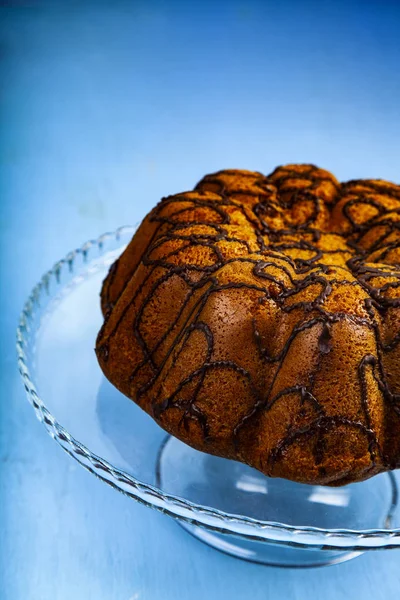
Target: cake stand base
268,554
237,489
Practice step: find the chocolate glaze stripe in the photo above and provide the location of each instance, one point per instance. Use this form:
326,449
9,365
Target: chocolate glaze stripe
112,274
321,424
195,313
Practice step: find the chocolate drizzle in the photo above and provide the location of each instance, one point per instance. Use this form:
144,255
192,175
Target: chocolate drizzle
298,244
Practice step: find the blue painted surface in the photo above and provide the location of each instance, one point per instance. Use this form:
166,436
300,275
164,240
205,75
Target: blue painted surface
105,109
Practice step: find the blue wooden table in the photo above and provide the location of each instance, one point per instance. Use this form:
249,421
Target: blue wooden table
105,108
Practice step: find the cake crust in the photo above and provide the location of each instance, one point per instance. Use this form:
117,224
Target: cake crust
257,318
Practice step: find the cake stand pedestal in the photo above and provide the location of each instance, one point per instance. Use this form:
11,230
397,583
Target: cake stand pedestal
235,488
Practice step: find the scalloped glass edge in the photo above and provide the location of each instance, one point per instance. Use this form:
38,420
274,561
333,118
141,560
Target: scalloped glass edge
149,495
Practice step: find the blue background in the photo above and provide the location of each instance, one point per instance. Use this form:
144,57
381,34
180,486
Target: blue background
105,107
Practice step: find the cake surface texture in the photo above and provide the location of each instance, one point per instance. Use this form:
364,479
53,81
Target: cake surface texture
257,318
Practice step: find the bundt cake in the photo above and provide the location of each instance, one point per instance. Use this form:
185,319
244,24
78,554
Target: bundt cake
257,318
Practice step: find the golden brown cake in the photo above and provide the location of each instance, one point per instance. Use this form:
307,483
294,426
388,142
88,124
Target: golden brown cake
258,318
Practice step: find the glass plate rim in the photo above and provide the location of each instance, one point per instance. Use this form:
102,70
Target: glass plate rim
147,494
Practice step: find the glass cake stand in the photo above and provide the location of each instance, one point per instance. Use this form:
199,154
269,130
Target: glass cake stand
224,503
